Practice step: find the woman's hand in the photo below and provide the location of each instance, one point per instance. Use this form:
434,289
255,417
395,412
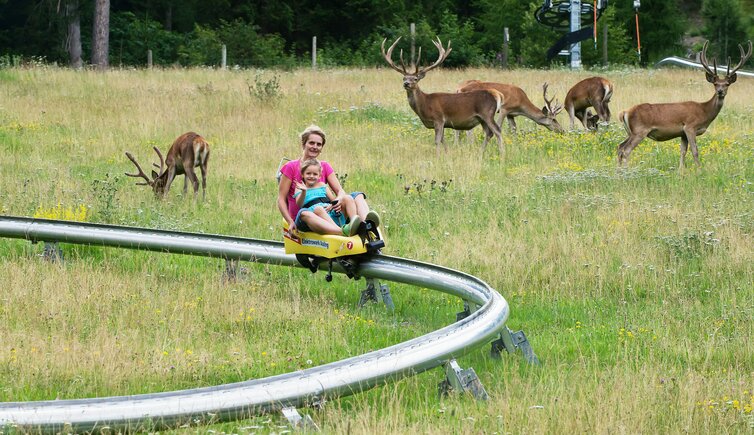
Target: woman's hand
336,205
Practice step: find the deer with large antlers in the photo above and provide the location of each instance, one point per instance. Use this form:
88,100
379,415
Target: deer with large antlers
686,120
591,92
188,151
459,111
517,103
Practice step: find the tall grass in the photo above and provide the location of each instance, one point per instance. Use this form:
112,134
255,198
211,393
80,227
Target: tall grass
634,287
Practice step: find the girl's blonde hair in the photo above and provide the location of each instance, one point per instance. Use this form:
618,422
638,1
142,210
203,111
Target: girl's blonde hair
312,129
310,162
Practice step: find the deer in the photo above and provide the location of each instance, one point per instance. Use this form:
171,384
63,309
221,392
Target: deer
686,120
188,151
438,110
591,92
517,103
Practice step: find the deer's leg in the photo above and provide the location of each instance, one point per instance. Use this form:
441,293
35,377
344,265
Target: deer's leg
191,176
628,145
684,148
691,138
582,115
603,111
572,116
439,135
204,178
185,184
511,123
169,181
492,129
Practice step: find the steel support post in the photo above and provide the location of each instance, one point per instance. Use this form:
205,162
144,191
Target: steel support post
463,381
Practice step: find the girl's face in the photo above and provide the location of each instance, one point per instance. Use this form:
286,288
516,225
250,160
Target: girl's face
311,175
313,146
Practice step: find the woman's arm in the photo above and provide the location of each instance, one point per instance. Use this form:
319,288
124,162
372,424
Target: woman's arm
283,188
332,181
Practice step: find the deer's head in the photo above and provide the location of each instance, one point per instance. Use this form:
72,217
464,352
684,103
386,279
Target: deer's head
551,112
411,79
722,83
158,180
592,120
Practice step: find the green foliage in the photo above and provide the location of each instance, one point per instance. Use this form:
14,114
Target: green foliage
536,40
661,26
201,48
266,91
246,47
725,28
131,37
105,191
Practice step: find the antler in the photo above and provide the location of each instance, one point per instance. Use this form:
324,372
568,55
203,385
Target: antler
703,60
140,174
744,58
162,161
548,103
443,54
389,56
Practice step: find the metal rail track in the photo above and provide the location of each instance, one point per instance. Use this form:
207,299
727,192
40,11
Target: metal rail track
244,399
679,61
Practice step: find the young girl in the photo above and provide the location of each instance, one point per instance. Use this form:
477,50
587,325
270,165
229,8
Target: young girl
313,197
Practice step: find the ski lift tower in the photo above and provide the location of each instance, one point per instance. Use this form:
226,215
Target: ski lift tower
578,18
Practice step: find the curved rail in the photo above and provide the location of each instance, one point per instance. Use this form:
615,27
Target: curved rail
679,61
242,399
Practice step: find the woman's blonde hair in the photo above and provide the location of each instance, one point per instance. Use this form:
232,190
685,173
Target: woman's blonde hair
312,129
310,162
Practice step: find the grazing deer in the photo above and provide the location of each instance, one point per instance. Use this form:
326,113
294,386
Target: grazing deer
592,92
516,103
686,120
439,110
187,152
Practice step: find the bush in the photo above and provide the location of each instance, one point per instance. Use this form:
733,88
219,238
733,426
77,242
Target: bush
131,37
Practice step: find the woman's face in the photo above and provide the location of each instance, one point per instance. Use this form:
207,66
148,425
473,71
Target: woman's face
313,146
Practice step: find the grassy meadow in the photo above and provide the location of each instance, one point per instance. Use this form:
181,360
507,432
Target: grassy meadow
633,286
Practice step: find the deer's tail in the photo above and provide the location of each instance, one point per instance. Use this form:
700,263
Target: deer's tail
624,118
608,89
499,97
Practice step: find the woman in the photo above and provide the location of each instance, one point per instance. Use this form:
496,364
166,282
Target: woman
312,141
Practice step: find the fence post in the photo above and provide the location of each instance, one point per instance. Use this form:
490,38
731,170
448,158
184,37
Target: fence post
224,57
506,39
149,59
314,52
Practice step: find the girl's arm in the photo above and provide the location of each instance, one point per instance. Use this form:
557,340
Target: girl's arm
300,194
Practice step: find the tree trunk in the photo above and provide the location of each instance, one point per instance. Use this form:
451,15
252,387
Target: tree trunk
101,36
169,17
73,42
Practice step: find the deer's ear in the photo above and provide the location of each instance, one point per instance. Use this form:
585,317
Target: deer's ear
710,78
154,174
420,75
732,78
